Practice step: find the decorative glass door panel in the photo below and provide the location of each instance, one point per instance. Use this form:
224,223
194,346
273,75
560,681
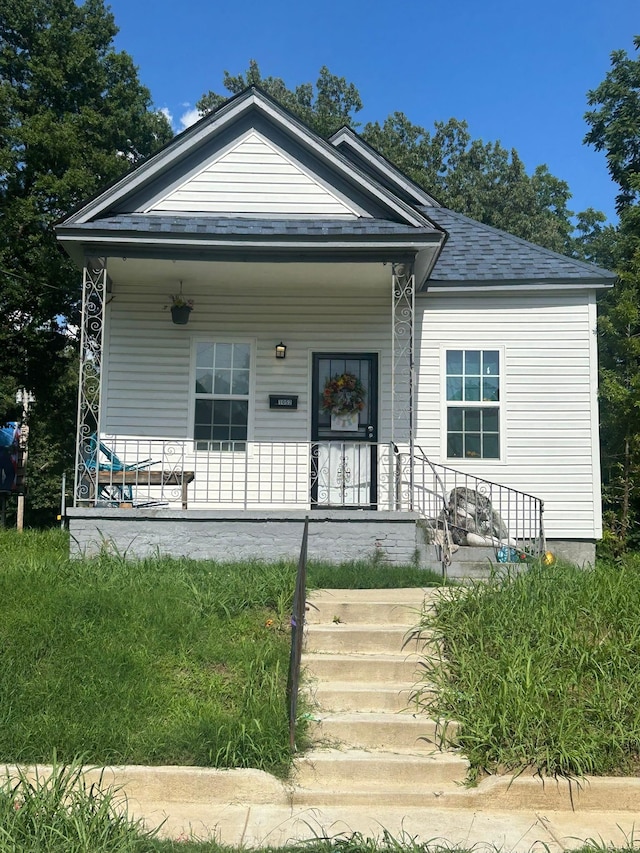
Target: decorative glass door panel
344,430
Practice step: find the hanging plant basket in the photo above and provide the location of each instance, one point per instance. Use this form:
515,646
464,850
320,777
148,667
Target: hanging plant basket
180,314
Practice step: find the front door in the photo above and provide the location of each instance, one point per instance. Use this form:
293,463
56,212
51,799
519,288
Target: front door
344,453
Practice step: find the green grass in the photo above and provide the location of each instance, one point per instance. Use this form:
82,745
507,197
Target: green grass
145,662
543,669
157,661
368,575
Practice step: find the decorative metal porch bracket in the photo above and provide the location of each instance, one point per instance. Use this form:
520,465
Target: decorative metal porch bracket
402,369
94,292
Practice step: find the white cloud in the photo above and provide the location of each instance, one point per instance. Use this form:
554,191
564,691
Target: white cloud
188,118
166,112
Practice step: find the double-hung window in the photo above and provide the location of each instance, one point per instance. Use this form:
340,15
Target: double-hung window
222,384
473,404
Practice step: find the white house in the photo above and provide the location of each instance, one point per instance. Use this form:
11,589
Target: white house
309,260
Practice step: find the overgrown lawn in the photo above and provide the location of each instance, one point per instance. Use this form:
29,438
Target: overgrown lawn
157,661
543,669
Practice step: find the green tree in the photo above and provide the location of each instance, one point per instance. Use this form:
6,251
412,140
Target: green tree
482,180
615,129
73,116
325,110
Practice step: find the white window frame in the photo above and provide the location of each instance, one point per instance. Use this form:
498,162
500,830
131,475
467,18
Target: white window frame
193,396
479,404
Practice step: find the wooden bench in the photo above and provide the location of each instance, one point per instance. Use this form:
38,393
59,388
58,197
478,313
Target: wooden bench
148,478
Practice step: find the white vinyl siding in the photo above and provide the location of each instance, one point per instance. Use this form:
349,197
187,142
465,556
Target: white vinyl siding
548,370
149,362
254,178
548,390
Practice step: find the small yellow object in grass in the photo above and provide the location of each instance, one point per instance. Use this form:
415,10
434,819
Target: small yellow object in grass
548,558
268,623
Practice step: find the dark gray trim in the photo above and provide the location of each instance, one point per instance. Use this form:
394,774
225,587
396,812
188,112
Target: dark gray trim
369,160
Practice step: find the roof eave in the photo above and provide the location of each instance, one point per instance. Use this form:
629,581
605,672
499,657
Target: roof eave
462,285
394,247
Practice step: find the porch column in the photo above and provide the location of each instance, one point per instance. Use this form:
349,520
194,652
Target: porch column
402,378
94,291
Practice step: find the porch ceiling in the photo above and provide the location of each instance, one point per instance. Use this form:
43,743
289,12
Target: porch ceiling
249,276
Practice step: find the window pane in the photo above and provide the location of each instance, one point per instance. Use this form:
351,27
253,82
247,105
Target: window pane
454,446
472,420
454,419
454,362
238,433
490,363
472,362
490,388
472,447
203,411
202,431
491,447
490,420
223,355
240,382
219,433
203,381
204,355
221,411
239,412
472,388
241,356
222,384
454,388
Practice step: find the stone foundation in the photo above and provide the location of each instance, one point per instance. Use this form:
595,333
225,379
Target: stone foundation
334,535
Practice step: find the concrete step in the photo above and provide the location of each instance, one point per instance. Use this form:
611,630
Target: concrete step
361,668
430,795
353,696
364,606
360,769
364,639
380,731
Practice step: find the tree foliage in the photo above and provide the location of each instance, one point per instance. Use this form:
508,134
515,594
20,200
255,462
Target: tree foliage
325,110
615,129
484,180
73,116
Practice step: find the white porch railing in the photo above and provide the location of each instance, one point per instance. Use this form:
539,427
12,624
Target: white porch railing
242,474
280,475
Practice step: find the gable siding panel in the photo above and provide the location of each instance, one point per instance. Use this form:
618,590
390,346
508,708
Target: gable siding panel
272,185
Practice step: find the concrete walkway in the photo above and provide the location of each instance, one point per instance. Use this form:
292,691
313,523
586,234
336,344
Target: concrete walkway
375,766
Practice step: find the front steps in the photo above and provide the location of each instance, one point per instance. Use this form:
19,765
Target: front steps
361,666
469,563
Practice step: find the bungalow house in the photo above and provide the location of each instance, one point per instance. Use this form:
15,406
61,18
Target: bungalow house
277,325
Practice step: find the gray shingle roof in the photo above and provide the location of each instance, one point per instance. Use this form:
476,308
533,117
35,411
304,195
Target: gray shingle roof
238,226
478,252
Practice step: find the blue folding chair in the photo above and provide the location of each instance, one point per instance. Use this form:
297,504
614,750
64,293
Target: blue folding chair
112,492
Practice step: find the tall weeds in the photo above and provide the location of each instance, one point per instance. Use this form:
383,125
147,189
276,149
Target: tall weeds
543,669
155,661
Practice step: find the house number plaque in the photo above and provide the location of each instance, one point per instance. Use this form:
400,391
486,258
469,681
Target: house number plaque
283,401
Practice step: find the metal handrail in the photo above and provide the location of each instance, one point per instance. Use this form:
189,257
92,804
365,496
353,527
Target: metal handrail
464,503
297,636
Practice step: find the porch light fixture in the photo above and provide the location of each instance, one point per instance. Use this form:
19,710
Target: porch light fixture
281,350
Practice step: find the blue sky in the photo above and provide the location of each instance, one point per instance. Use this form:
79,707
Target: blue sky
517,71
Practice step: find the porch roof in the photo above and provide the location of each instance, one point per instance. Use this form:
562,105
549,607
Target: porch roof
155,235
